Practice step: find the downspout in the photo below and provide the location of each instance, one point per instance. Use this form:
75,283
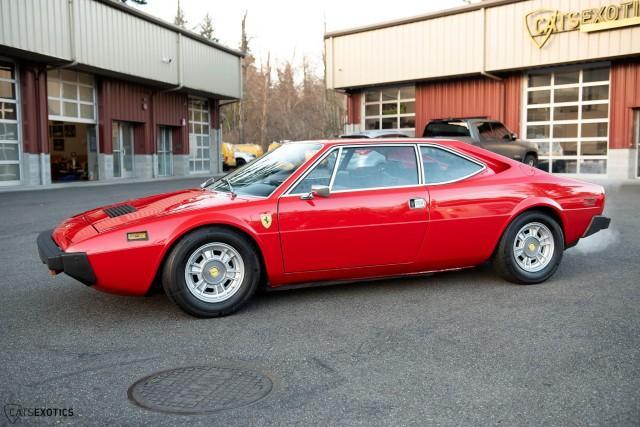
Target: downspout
484,48
179,65
72,36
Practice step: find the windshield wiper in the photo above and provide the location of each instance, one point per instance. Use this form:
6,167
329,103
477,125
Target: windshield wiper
226,181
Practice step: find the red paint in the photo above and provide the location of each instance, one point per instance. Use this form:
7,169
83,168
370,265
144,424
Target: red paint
349,235
33,96
470,97
625,96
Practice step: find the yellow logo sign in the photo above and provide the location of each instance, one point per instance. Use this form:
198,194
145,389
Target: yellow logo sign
532,246
213,271
266,220
543,23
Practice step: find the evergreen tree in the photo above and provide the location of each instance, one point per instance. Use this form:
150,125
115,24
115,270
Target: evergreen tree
180,19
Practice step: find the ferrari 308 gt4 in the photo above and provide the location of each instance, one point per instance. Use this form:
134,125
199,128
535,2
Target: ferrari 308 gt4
327,211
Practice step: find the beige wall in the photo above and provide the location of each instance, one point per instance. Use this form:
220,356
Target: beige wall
453,45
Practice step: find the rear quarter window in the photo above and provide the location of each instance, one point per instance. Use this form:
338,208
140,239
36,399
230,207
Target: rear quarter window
442,166
454,129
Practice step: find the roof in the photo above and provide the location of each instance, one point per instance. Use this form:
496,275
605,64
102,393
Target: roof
150,18
422,17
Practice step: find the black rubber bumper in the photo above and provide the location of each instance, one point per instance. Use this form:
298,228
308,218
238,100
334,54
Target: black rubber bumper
73,264
598,223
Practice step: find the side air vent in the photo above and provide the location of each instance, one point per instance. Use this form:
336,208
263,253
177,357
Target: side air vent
119,210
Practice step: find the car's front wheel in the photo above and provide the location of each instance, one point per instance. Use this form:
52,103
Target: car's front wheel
211,272
530,249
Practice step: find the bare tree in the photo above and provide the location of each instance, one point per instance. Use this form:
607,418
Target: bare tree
206,28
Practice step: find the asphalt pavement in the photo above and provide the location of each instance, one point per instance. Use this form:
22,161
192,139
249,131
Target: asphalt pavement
460,348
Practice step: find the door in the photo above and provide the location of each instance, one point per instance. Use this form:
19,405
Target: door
122,150
375,215
92,153
164,151
497,138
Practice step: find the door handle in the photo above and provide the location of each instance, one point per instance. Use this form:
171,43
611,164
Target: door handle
417,203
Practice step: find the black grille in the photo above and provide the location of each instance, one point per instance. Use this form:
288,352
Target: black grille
115,211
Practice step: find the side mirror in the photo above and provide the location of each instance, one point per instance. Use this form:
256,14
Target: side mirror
514,136
317,190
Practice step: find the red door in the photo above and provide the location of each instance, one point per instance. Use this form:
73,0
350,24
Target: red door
376,215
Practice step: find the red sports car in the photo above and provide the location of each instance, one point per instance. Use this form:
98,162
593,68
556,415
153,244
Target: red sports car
330,211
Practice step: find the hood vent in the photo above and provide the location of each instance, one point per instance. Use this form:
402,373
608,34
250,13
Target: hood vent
119,210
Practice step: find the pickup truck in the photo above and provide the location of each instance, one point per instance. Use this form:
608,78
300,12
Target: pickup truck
488,134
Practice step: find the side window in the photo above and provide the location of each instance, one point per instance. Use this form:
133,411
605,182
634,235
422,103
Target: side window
376,167
444,166
320,175
484,129
500,132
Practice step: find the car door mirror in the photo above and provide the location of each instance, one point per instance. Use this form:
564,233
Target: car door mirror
513,136
317,190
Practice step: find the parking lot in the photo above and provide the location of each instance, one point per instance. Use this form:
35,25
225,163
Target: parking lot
453,348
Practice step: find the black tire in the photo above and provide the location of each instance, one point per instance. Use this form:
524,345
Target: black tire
240,162
173,277
531,160
504,261
225,167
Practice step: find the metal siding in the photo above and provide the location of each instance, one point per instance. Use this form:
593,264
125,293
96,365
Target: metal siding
170,108
36,25
498,100
408,52
113,40
452,45
625,96
354,100
216,71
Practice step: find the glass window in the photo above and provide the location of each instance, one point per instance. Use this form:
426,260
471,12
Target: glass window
376,167
596,75
536,80
6,71
590,130
459,129
538,114
569,130
500,132
538,131
7,90
444,166
9,172
595,111
567,77
569,112
199,136
564,166
484,129
8,131
593,93
539,97
262,176
70,96
8,111
390,108
8,152
320,175
598,166
569,94
594,148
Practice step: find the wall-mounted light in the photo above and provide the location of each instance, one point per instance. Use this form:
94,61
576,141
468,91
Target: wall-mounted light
167,60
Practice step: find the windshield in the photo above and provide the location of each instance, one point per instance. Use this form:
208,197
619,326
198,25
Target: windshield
262,176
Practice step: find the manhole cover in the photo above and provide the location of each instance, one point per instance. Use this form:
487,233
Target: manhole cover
199,389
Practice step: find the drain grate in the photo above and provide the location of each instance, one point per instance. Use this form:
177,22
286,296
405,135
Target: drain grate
200,389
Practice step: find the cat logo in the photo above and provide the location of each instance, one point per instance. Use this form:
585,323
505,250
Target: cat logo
266,220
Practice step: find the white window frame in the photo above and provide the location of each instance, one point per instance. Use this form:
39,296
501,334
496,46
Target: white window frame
380,102
579,139
55,75
16,82
193,137
163,152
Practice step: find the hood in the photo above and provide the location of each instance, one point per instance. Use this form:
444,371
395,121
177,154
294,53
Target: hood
105,218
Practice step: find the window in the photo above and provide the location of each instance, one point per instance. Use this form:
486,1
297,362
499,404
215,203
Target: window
446,129
567,115
390,108
319,175
442,166
376,167
71,96
499,131
9,142
199,136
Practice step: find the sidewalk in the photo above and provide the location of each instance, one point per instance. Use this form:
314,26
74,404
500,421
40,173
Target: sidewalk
84,184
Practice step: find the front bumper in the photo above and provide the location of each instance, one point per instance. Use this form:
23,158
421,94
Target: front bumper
597,223
74,264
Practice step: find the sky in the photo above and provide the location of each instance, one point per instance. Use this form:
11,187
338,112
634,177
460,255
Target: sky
287,29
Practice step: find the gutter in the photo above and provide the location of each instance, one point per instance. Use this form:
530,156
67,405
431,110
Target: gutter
483,70
179,66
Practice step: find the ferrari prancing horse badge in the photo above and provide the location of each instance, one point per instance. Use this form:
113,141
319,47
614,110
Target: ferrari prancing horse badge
265,219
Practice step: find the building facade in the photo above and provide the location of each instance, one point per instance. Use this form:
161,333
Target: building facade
562,73
96,90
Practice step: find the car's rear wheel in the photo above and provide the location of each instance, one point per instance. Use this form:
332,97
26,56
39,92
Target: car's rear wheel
530,250
211,272
531,160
